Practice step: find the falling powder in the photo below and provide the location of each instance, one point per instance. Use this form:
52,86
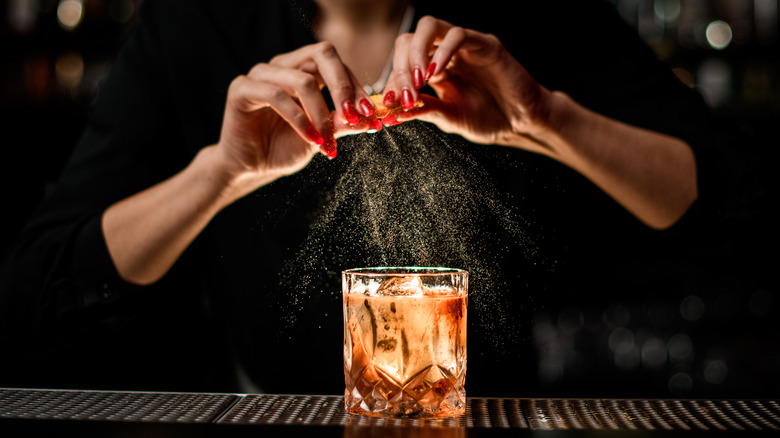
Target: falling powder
410,195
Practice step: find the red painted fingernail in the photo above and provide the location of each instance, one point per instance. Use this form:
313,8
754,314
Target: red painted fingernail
417,78
429,72
366,107
314,135
390,120
389,98
350,113
375,124
329,149
406,99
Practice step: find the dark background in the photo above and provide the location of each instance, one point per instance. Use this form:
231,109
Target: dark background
729,50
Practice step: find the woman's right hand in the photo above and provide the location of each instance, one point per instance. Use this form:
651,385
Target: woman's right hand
276,118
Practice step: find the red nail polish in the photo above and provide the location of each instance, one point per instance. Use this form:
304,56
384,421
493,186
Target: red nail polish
313,135
417,78
376,125
366,107
389,98
429,72
350,113
406,99
390,120
329,149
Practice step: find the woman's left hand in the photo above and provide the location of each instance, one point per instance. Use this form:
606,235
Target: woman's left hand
484,94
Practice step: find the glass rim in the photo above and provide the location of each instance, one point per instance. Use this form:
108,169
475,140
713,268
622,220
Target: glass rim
421,271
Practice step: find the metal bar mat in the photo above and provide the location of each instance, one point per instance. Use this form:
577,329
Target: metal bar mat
535,414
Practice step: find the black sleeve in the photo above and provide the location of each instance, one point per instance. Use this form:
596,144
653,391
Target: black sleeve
60,280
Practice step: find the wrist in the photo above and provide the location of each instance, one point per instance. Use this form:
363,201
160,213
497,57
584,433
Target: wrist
228,182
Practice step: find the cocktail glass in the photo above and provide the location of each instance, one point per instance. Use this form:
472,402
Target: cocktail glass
405,341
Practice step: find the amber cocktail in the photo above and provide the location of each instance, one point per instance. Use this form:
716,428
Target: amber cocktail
405,341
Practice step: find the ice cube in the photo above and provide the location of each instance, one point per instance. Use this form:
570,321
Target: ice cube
401,286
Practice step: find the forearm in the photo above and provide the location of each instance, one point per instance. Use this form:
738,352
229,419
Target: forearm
147,232
650,174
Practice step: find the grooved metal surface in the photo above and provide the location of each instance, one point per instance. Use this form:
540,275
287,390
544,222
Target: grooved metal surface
311,410
113,406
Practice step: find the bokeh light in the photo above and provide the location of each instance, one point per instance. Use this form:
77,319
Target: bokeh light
69,70
70,13
719,34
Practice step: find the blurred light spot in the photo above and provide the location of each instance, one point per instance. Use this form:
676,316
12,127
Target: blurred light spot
22,14
70,13
684,76
760,302
715,372
654,353
714,81
718,34
692,308
570,321
680,347
667,10
766,18
621,340
69,69
680,384
544,331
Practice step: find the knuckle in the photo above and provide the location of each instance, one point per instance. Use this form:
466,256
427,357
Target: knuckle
427,20
258,69
457,32
236,85
304,81
403,39
343,89
326,48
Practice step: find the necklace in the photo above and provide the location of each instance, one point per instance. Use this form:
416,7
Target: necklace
379,85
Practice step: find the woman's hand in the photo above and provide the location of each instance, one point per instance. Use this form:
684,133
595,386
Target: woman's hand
487,97
276,117
484,94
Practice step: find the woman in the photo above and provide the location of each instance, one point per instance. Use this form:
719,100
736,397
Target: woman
147,245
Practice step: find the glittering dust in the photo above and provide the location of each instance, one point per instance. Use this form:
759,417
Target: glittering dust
411,195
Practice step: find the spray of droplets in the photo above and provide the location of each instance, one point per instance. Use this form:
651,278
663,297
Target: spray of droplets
410,196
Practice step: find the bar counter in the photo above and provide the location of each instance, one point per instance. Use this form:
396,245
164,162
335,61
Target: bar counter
40,412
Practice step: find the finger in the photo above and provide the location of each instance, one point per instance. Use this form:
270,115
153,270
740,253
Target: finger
401,85
323,60
305,88
366,124
431,109
429,30
248,95
302,85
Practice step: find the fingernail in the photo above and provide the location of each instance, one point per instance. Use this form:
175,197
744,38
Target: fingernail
376,125
417,78
390,120
406,99
350,113
389,98
314,135
329,149
366,107
429,72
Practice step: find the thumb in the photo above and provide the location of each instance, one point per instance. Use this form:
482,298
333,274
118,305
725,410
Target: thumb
433,110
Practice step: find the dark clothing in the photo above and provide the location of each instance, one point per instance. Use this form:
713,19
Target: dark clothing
255,288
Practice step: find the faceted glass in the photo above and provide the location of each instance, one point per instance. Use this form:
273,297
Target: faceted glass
405,341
